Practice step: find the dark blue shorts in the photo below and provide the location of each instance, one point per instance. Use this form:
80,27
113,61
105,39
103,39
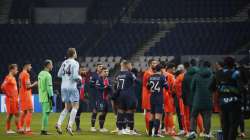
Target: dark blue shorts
156,103
127,102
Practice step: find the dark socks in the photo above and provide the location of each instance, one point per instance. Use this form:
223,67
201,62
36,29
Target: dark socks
93,119
156,125
130,118
151,125
120,120
102,120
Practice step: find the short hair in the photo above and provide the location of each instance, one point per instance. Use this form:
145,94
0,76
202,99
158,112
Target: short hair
193,62
71,52
27,62
170,65
158,67
163,64
150,61
221,63
47,62
12,66
98,64
206,64
229,62
186,65
104,68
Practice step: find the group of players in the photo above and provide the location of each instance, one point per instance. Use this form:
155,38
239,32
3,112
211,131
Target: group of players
162,97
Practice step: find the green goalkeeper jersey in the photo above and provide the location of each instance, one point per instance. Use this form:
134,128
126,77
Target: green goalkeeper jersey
45,87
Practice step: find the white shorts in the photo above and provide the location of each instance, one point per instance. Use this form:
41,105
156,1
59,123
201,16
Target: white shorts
70,95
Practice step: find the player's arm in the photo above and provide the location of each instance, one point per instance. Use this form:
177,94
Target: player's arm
60,72
29,85
193,84
3,86
165,83
75,75
49,85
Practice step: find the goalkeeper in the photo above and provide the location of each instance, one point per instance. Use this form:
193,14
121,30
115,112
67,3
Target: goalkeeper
45,89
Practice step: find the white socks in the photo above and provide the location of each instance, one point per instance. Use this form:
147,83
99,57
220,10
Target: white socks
62,117
72,117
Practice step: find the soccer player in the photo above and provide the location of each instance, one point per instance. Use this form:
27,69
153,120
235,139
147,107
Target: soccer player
9,87
45,89
103,89
94,81
145,92
69,72
81,84
156,83
168,71
25,93
178,99
126,100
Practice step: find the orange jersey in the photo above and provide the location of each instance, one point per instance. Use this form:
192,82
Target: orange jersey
168,98
178,85
25,94
145,91
9,87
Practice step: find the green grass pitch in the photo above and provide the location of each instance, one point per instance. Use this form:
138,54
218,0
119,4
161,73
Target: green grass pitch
85,125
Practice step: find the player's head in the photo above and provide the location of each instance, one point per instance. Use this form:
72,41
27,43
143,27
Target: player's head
171,68
186,65
13,69
125,65
99,67
193,62
180,68
27,66
158,68
105,72
48,64
71,53
206,64
229,62
152,63
219,65
83,71
163,65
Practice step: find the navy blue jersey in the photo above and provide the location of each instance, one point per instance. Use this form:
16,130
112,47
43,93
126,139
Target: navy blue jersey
125,80
156,83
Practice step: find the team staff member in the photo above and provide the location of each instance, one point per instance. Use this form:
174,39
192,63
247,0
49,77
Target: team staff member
9,87
25,93
45,90
228,86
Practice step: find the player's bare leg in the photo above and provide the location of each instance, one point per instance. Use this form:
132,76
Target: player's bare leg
73,112
62,117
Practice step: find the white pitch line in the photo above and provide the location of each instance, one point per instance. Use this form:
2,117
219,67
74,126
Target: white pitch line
176,138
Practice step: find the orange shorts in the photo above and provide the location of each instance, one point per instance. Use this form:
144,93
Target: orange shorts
11,106
169,103
26,103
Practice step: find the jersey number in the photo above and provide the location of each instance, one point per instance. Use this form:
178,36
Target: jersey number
66,70
120,83
154,86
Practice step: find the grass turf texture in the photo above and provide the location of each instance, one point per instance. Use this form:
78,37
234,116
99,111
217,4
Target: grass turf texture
85,125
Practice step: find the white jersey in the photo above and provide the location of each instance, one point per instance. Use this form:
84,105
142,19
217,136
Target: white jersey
69,72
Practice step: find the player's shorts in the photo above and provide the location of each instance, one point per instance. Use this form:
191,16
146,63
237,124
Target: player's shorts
70,95
126,101
156,103
46,107
26,103
102,106
11,106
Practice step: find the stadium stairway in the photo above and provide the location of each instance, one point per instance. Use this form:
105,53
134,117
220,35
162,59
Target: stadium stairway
131,9
151,42
4,10
243,14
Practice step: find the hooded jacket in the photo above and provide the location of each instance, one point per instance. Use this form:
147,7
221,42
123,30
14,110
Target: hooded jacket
201,89
187,94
